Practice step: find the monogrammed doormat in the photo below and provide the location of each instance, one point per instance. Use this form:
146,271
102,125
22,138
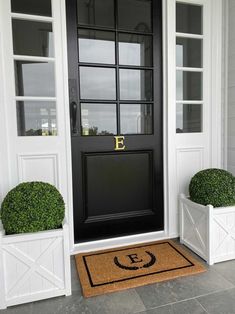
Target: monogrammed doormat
128,267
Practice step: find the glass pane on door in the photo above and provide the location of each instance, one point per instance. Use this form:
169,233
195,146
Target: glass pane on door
97,83
96,46
135,49
96,13
136,118
135,84
135,15
98,119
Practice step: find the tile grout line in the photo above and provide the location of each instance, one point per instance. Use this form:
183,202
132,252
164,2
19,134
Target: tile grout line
220,275
202,306
193,298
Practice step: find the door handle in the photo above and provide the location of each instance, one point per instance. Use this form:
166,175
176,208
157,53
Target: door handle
73,112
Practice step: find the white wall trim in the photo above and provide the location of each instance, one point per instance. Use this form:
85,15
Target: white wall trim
4,143
165,125
225,80
171,114
216,83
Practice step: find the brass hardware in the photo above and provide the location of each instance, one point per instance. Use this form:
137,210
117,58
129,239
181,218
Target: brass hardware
119,142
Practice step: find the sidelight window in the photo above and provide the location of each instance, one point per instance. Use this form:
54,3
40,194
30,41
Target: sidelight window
115,66
34,62
189,68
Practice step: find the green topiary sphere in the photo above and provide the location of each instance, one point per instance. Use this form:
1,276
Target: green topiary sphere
32,207
213,187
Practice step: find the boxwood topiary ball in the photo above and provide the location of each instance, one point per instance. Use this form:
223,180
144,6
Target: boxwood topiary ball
213,187
32,207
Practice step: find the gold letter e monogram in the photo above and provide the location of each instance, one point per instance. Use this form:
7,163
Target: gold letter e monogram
119,142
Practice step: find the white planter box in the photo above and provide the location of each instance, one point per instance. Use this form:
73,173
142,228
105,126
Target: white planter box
208,231
34,266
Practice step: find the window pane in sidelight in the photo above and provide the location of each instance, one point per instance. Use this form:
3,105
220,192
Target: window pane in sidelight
188,118
35,7
96,12
188,85
99,119
32,38
135,49
136,84
97,83
135,15
36,118
35,78
96,46
188,52
136,118
189,18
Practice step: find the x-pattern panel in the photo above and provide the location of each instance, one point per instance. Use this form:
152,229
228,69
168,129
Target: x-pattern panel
34,266
194,224
229,232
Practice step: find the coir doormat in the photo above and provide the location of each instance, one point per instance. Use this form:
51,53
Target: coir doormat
128,267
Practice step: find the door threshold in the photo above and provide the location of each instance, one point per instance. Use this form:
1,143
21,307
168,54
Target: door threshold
118,242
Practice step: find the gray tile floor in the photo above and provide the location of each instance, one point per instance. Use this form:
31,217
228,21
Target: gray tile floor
210,292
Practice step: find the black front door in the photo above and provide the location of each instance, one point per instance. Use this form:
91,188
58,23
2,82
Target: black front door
115,82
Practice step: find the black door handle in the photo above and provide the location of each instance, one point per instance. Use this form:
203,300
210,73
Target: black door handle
73,113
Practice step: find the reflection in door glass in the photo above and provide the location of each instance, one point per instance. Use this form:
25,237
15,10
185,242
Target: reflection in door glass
35,78
97,83
135,15
96,46
98,119
96,12
136,118
135,50
36,118
136,84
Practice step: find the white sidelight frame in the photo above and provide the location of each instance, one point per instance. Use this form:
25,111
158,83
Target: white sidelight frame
184,154
191,152
20,153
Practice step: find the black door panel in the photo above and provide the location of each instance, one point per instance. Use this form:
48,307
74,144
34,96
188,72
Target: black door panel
115,82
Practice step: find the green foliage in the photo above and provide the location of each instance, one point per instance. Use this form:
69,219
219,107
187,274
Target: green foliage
213,187
32,207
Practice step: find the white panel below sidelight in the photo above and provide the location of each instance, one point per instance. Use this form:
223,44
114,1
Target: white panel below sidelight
40,167
189,162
